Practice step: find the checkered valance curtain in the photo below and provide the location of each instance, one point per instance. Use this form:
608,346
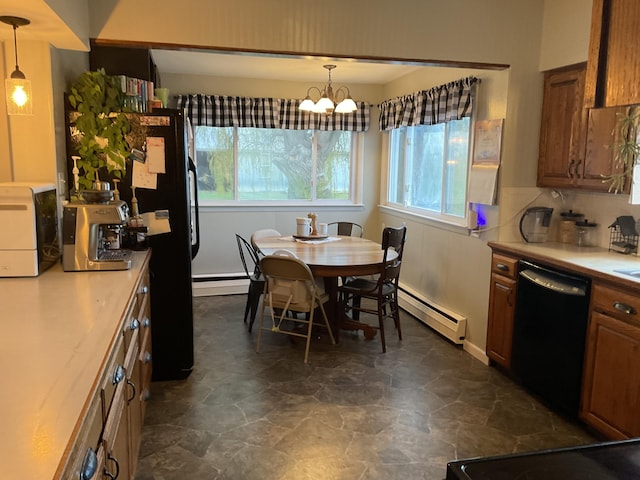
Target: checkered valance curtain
451,101
225,111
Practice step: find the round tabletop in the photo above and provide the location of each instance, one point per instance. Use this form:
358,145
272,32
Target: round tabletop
337,256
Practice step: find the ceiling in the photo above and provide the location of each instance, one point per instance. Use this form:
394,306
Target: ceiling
303,69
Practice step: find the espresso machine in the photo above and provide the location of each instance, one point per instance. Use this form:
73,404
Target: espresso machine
87,230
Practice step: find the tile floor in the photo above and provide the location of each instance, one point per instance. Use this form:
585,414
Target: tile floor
352,413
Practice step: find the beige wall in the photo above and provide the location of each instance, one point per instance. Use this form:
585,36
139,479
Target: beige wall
31,145
565,34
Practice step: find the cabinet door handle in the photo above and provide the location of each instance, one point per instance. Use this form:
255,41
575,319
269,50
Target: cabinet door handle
133,391
576,170
510,298
144,290
107,473
624,308
570,169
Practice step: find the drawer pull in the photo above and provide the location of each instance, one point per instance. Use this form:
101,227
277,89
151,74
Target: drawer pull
502,266
144,290
147,357
624,308
89,465
118,375
133,390
146,322
107,473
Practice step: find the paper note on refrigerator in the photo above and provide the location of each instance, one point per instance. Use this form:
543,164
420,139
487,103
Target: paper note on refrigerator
142,177
156,222
155,155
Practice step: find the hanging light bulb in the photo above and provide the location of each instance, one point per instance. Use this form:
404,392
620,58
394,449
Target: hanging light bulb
327,102
18,88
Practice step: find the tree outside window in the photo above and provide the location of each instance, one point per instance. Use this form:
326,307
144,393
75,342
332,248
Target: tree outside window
266,164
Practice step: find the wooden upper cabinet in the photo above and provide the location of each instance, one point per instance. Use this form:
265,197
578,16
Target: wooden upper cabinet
562,129
599,158
614,57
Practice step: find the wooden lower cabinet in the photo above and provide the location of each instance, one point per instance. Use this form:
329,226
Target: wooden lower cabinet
502,302
611,381
109,440
500,325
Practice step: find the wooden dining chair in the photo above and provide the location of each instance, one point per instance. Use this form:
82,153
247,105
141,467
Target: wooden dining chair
290,289
381,289
251,265
266,232
346,228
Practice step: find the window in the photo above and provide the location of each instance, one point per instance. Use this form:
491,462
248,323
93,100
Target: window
274,165
428,169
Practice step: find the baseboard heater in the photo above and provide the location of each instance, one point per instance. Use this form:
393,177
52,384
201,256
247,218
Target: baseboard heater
447,323
210,285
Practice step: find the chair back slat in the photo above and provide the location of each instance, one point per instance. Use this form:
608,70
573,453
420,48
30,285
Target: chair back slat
246,249
347,229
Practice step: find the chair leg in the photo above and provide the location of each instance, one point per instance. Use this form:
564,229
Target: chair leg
260,322
381,322
355,313
248,305
326,323
396,315
253,300
309,327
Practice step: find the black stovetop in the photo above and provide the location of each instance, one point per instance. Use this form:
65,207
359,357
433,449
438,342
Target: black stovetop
602,461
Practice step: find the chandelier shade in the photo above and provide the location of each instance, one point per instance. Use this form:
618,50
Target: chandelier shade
17,87
329,101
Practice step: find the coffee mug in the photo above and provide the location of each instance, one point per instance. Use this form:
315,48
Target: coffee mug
304,229
323,229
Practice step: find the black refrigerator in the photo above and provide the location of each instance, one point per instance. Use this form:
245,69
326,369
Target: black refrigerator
172,252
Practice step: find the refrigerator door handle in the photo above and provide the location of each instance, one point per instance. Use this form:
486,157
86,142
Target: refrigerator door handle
193,179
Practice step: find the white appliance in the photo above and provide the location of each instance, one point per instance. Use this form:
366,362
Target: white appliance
28,237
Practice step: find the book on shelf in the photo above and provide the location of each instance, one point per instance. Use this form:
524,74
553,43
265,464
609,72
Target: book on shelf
139,93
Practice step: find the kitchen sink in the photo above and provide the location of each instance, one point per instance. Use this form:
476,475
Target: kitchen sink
632,273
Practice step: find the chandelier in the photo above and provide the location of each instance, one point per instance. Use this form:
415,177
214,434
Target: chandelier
18,88
328,99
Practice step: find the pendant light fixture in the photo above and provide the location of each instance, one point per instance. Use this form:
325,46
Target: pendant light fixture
18,88
328,99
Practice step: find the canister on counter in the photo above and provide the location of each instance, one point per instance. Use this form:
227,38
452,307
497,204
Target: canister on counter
567,227
586,233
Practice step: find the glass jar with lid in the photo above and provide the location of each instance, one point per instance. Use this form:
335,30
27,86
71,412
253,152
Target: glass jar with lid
567,227
586,232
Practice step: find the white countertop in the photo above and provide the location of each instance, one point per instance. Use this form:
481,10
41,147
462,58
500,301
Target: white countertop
57,329
593,259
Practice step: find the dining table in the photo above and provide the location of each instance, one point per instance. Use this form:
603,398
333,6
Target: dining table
332,258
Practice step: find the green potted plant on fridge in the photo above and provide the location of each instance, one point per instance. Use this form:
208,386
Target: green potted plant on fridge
99,127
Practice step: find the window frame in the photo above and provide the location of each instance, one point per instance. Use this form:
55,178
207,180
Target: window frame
355,182
438,218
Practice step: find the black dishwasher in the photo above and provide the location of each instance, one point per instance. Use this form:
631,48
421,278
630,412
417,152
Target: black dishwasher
549,334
